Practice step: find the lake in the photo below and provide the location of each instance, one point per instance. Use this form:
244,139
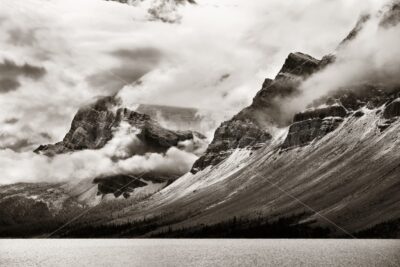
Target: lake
204,252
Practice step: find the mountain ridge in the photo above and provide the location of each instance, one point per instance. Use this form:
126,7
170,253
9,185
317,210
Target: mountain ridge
332,166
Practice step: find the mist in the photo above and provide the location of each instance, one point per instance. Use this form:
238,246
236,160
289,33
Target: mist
121,155
372,57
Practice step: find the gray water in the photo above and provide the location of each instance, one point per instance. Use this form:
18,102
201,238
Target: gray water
209,252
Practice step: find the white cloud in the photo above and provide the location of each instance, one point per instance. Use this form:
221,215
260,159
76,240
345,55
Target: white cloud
124,154
373,57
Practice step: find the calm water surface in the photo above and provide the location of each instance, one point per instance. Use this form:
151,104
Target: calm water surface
208,252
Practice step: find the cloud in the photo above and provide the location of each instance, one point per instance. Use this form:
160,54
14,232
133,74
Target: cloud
8,84
10,72
133,64
372,57
122,155
20,138
250,43
20,37
11,121
9,68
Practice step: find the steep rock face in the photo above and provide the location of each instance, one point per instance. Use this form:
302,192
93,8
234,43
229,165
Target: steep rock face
249,128
321,113
93,126
229,136
313,124
265,109
303,132
298,64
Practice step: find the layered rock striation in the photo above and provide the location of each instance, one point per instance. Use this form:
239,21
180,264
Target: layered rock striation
313,124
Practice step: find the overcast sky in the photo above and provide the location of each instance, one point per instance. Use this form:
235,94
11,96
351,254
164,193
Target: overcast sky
57,55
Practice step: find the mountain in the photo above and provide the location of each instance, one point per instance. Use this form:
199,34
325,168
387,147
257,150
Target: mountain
329,170
95,125
250,128
92,127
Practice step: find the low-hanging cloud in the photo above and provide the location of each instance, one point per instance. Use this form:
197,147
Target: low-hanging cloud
121,155
372,57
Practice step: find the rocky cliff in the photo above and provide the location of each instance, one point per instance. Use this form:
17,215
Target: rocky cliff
312,124
250,128
94,125
266,109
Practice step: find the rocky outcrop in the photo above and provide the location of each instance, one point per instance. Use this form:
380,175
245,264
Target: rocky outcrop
392,110
321,113
303,132
312,124
298,64
266,108
229,136
118,185
93,126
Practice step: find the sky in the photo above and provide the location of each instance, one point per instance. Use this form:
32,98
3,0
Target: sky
58,55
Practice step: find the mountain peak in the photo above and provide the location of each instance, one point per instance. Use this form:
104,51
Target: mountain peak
93,126
298,64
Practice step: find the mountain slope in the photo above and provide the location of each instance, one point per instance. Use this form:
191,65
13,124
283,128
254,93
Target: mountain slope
252,126
332,166
349,178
